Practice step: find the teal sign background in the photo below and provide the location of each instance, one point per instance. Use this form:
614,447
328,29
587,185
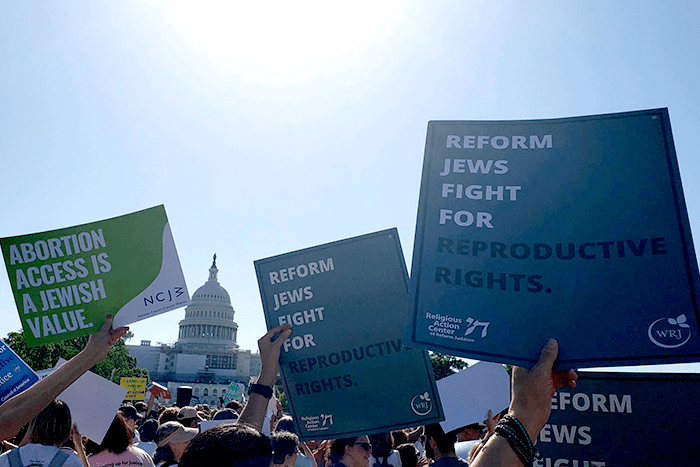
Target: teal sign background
345,368
574,229
623,419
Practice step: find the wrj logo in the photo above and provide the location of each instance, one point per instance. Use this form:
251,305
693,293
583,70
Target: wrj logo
422,404
669,333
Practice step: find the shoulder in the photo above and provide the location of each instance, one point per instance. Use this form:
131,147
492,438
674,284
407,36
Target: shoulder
303,461
141,455
394,458
73,460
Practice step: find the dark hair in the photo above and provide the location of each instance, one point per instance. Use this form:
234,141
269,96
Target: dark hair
235,405
53,424
148,430
408,454
168,415
445,442
225,414
336,451
228,446
284,444
118,435
399,437
381,445
286,423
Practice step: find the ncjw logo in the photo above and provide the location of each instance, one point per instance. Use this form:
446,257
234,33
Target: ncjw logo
421,404
669,333
163,296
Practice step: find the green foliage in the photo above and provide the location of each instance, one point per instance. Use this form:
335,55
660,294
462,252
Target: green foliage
118,363
445,365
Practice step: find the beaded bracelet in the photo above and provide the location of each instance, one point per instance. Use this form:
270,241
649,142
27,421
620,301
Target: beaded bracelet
510,428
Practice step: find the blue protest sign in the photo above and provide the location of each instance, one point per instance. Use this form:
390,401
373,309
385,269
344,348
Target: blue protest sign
623,419
574,229
15,375
345,368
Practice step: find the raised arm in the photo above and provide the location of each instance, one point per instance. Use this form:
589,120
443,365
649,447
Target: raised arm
22,408
255,410
531,406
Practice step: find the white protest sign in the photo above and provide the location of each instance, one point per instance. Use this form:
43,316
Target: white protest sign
93,402
468,395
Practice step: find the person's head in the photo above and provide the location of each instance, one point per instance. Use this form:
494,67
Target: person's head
173,439
353,452
381,444
285,423
284,448
400,437
408,454
437,443
470,432
131,415
168,415
52,426
141,407
235,405
189,417
148,430
225,414
229,446
118,435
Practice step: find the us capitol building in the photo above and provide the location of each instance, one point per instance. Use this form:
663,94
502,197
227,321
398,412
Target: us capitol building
205,356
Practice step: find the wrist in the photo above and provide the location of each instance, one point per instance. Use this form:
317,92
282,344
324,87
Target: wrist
266,377
532,425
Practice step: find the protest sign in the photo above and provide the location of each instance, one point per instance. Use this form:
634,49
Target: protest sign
235,391
136,388
15,375
65,281
468,395
93,402
574,229
345,368
623,419
158,390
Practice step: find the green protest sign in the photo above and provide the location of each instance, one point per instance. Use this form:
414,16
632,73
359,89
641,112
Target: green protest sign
345,368
65,281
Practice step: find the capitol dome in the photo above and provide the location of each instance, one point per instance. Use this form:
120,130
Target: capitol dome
209,317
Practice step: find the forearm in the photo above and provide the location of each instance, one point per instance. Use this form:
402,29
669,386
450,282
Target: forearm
255,410
307,452
22,408
497,452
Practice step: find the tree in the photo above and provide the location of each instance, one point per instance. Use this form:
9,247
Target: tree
445,365
117,364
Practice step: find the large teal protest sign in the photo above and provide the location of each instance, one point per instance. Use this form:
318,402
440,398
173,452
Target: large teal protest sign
623,419
573,229
65,281
15,375
345,368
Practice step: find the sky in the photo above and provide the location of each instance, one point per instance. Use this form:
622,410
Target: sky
267,127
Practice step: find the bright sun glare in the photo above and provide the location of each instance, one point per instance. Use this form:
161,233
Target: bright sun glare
281,41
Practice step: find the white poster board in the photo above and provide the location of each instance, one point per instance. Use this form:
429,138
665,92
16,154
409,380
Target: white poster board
93,402
468,395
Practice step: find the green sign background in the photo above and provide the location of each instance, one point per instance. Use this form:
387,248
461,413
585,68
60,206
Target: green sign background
131,259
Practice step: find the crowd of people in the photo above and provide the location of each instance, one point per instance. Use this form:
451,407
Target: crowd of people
37,429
